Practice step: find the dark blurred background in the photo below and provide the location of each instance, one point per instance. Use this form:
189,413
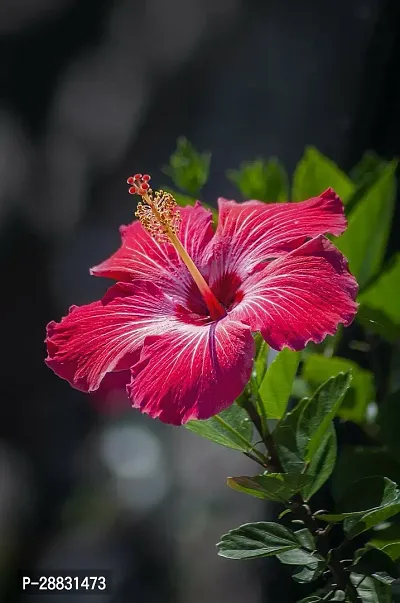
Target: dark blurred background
92,91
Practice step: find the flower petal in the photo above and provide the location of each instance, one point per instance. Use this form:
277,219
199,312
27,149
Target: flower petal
251,232
193,372
107,335
140,256
300,297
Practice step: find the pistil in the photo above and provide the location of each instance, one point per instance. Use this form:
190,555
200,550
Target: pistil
159,215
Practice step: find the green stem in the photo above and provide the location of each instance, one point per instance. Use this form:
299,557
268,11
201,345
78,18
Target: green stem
273,463
343,578
256,460
246,444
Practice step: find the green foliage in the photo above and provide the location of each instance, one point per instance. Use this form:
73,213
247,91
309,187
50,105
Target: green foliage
317,369
276,386
286,441
370,501
371,590
376,321
292,455
322,463
260,361
310,564
317,415
306,540
386,535
367,170
261,180
315,173
260,539
393,550
377,564
308,572
296,450
267,539
231,428
381,301
279,487
299,556
364,241
357,462
188,168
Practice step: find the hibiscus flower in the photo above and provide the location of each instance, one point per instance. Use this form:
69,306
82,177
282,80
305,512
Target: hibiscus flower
178,326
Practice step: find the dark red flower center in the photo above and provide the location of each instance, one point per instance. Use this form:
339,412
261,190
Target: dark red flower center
226,290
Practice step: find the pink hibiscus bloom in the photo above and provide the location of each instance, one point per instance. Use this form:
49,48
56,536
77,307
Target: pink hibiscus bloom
177,327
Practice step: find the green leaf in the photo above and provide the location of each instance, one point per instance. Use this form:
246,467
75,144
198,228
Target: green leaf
370,501
231,428
292,458
311,599
322,464
358,462
381,298
262,180
377,564
317,369
299,557
279,487
386,533
368,169
310,567
310,563
301,388
338,595
371,590
378,322
260,539
306,539
318,414
315,173
285,439
364,242
277,383
393,550
364,175
260,362
188,168
309,573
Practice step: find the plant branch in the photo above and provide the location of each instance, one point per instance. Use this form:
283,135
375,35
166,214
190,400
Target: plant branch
274,465
302,511
342,577
263,462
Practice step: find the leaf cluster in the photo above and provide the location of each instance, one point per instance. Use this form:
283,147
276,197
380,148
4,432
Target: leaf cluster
289,416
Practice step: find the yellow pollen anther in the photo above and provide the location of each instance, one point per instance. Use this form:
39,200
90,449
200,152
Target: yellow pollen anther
160,217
